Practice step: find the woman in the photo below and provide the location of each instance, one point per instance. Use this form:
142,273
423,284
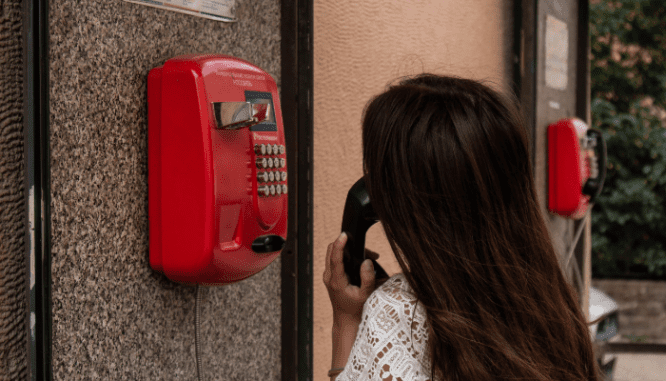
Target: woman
481,295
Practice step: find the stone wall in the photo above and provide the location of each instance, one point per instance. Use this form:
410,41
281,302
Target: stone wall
13,306
113,317
642,305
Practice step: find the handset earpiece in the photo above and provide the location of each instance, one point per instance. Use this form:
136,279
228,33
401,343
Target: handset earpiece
358,217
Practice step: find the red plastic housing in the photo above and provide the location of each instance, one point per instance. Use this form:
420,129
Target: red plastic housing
204,207
568,168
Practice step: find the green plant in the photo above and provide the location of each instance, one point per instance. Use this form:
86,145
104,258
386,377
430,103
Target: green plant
628,40
636,339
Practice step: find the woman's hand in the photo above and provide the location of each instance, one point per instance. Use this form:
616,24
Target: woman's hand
347,300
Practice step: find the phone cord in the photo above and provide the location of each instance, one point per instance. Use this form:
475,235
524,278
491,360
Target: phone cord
569,255
197,331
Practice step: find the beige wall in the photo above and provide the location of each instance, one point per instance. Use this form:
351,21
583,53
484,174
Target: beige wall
359,46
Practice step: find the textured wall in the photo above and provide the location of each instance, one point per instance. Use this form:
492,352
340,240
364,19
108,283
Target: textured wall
13,328
113,317
359,47
642,305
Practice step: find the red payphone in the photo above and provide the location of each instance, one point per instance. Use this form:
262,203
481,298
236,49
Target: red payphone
217,171
575,172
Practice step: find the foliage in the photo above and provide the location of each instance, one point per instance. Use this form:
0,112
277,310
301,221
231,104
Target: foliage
628,69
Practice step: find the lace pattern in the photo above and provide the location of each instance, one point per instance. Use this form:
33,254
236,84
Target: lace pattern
384,349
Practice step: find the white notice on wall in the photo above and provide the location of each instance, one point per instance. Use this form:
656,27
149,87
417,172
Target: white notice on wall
220,10
557,53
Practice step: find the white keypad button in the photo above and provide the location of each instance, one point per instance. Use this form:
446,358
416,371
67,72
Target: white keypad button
284,188
262,162
271,176
269,149
272,190
284,176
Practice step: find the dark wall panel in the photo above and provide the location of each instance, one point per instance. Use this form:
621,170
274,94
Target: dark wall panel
113,317
13,328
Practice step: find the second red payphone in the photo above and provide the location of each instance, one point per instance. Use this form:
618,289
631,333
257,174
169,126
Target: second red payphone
576,172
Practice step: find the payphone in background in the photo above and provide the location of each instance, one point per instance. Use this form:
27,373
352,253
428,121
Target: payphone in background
576,167
217,170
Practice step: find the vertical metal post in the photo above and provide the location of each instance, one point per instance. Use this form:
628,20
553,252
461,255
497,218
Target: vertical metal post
305,188
583,252
37,186
525,62
297,105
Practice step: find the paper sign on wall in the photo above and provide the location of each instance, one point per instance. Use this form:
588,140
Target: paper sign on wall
557,53
220,10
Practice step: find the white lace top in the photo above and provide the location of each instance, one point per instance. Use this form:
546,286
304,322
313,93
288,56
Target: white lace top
383,349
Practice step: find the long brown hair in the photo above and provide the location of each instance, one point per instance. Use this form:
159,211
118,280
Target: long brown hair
447,167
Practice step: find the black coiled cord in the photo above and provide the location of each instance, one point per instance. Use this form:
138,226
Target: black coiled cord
197,331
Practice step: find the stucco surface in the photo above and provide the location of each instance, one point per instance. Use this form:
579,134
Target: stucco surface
113,317
360,46
13,270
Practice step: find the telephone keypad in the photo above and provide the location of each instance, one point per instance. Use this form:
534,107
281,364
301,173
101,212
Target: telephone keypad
260,149
268,166
262,177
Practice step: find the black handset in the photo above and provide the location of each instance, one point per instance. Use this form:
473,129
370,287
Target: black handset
356,220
